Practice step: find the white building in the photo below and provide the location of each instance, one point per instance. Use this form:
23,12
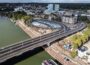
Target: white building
19,9
69,17
85,53
88,11
56,7
81,54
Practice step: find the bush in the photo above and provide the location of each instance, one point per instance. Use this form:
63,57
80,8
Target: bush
79,40
20,15
82,18
76,41
74,53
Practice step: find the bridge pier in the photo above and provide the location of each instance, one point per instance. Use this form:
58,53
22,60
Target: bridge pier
48,44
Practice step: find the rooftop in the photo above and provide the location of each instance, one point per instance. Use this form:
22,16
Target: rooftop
69,13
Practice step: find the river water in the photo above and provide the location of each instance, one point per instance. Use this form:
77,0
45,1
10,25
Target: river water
10,34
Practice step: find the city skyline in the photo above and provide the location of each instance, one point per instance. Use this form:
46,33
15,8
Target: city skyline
45,1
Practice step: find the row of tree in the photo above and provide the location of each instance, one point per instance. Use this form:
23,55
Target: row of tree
78,40
20,15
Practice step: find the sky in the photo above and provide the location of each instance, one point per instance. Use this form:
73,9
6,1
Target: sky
47,1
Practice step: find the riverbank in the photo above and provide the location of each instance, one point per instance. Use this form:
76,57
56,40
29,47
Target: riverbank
27,29
10,33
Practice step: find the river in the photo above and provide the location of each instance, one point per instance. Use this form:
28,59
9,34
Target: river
10,34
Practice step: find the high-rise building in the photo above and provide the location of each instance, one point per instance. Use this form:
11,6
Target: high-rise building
56,7
52,8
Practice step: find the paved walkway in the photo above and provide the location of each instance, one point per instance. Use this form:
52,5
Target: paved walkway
27,30
77,59
58,56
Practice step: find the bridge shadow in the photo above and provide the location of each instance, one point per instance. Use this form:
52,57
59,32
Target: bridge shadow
22,57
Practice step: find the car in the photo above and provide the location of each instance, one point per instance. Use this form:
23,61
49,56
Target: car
83,48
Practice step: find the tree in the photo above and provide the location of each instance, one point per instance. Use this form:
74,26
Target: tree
82,18
73,53
76,40
27,19
73,40
18,15
83,38
75,46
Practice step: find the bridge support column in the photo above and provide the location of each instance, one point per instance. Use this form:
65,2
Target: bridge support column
48,44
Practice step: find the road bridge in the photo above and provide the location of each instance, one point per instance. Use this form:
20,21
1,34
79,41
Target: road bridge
30,44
